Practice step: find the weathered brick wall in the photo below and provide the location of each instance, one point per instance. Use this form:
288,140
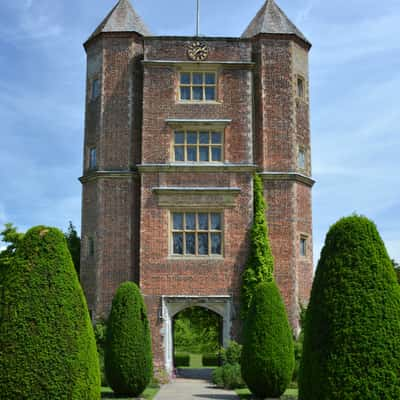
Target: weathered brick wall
88,266
116,232
175,48
121,113
304,227
281,128
110,212
280,197
162,274
160,103
275,131
128,126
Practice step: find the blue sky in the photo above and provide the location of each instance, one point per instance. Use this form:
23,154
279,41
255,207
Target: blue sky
355,115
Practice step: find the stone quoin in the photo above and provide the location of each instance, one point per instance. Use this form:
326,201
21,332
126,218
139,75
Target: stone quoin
175,128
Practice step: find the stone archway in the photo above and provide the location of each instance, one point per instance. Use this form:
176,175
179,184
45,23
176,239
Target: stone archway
172,305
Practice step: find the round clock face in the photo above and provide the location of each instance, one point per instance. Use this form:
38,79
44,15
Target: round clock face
198,51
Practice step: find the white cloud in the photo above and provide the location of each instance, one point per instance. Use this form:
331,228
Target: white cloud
304,14
32,22
342,42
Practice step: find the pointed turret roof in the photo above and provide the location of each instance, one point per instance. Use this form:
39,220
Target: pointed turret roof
122,18
271,19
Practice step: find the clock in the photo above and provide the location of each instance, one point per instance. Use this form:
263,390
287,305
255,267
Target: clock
198,51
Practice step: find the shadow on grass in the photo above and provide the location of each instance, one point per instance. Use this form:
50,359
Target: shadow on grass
195,373
245,394
148,394
251,397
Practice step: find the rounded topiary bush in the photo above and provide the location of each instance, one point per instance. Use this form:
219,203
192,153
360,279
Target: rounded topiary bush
351,340
47,345
267,355
128,356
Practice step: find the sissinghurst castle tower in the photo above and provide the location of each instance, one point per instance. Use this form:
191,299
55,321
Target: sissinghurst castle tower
175,129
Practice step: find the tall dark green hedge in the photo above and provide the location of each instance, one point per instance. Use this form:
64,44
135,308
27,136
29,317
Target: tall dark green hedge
352,331
47,346
260,265
267,355
128,356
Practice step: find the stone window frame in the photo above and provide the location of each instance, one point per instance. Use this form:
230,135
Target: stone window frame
303,245
301,93
302,150
92,158
95,90
196,211
196,68
90,246
198,130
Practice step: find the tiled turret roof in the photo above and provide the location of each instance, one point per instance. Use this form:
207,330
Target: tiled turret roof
271,19
122,18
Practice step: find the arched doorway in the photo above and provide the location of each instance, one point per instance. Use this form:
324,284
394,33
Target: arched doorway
172,305
196,331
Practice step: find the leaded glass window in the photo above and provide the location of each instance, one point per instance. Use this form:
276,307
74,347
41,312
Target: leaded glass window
301,159
198,146
198,86
196,233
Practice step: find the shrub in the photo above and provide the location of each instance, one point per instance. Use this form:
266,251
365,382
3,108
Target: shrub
298,348
100,332
181,360
196,330
260,264
351,340
160,376
267,355
128,356
228,376
210,360
47,345
232,354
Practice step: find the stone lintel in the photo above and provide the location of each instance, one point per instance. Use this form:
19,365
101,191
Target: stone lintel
205,197
287,176
193,168
202,122
95,175
225,64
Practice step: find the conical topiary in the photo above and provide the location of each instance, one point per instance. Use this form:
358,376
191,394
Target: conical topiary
128,356
47,346
352,332
267,356
260,265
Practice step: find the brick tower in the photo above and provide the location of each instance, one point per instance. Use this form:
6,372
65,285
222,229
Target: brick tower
175,128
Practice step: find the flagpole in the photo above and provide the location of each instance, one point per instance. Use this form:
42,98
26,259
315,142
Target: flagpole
198,18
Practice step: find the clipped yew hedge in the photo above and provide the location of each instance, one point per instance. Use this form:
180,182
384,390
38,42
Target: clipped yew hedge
352,332
267,361
47,345
260,265
128,356
181,360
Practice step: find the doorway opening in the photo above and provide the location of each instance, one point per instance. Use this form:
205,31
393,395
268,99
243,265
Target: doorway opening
218,312
197,338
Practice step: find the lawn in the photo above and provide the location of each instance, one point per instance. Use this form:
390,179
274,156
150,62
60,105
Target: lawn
148,394
196,362
290,394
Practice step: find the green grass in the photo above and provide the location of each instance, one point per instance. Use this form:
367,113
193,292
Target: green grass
290,394
196,362
148,394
